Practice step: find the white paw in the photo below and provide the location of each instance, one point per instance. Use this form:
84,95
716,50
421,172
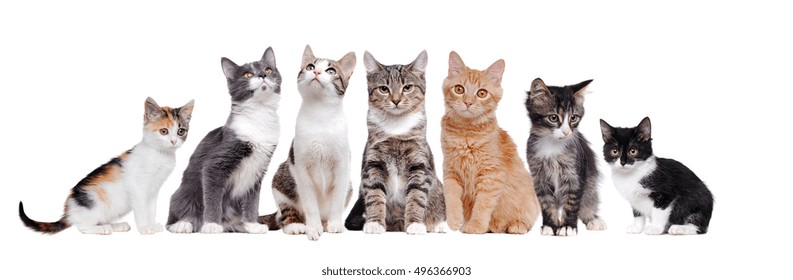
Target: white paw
212,228
547,231
682,229
181,227
120,227
373,227
150,229
416,228
568,231
441,228
635,228
99,229
335,227
313,232
596,224
295,228
652,229
256,228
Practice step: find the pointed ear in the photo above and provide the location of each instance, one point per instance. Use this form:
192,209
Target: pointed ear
229,67
186,111
371,64
538,88
644,129
496,71
419,65
607,131
456,64
269,57
152,110
347,63
580,88
308,56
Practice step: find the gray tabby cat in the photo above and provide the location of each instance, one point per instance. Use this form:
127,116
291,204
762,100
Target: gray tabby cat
561,162
399,188
220,187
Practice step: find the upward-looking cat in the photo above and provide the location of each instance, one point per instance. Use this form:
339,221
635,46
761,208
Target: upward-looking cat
312,187
487,187
129,182
220,186
561,162
399,187
663,192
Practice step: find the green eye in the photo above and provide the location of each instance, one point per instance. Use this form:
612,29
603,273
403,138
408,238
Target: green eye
553,118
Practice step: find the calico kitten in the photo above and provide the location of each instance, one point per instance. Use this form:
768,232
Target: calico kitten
129,182
487,187
220,186
663,192
399,189
560,159
312,187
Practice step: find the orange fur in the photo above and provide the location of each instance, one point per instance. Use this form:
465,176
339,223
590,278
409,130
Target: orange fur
165,121
486,184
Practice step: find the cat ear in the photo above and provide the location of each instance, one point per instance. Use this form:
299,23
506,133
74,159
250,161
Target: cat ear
580,88
269,57
371,64
607,131
186,111
495,71
152,110
456,64
420,63
308,56
347,63
229,67
538,88
643,130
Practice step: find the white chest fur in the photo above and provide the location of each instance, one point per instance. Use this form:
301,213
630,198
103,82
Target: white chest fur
147,168
548,147
261,129
627,181
396,125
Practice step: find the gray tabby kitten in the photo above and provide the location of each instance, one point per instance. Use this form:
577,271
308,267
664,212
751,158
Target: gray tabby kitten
399,188
220,187
561,162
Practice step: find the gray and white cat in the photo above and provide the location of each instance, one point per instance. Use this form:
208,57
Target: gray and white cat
400,190
220,187
561,162
312,188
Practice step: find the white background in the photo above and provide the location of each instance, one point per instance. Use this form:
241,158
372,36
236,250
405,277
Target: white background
714,78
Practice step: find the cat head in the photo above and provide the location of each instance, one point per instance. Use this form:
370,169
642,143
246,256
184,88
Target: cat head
257,81
555,111
396,89
324,77
625,148
472,94
164,127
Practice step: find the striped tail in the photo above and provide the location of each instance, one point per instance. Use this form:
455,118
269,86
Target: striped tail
48,228
355,219
270,221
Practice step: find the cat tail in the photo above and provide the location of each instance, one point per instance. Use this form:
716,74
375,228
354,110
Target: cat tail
270,220
355,219
48,228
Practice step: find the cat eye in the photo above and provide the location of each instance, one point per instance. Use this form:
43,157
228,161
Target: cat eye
481,93
181,132
164,131
615,153
247,74
407,88
633,152
575,118
268,71
383,89
553,118
331,71
310,67
458,89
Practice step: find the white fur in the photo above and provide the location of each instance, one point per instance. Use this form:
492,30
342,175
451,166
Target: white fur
596,224
416,228
120,227
626,180
335,227
295,228
255,228
441,227
564,131
396,186
568,231
396,125
548,231
99,229
550,147
686,229
212,228
373,228
637,226
181,227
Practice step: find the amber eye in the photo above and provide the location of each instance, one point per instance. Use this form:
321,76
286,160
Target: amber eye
458,89
575,119
247,74
633,152
407,88
331,71
481,93
615,153
383,89
164,131
268,71
181,132
310,67
553,118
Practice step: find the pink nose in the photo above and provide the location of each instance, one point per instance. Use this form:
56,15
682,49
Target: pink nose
316,73
468,104
173,142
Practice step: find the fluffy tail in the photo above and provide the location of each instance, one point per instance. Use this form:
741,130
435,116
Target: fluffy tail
355,219
48,228
270,221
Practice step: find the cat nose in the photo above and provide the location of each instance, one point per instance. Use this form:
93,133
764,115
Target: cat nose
395,101
468,104
173,142
262,76
623,163
316,73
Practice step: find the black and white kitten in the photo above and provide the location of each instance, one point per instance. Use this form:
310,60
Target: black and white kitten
663,192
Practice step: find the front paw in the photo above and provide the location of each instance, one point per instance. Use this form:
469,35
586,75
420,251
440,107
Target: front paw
295,228
212,228
635,228
596,224
567,231
256,228
653,229
150,229
474,228
335,227
416,228
314,232
373,228
455,222
548,230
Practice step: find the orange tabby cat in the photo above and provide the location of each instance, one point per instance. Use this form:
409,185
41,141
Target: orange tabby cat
486,185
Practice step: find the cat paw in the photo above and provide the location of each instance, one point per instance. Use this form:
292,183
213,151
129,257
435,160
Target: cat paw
596,224
181,227
416,228
150,229
100,229
120,227
682,229
295,228
455,223
212,228
517,228
547,231
474,228
440,228
653,229
567,231
635,229
256,228
335,227
313,232
373,228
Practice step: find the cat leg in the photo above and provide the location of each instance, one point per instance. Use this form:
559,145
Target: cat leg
487,192
307,191
658,220
686,229
417,199
95,229
120,227
589,207
144,207
570,202
181,227
453,193
638,223
373,189
213,187
550,219
339,198
250,210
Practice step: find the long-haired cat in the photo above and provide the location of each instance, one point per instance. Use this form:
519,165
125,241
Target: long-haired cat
220,186
399,188
486,185
561,162
129,182
665,195
312,187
